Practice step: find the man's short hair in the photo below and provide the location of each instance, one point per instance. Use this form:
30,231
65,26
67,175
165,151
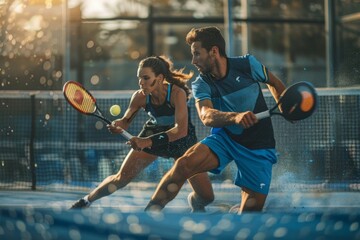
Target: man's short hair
209,37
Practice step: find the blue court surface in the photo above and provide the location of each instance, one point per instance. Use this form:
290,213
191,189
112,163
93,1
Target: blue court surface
45,215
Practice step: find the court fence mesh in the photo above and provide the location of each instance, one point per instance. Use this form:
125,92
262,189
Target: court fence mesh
47,145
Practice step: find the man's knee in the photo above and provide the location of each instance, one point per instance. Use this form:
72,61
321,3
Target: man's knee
183,167
252,201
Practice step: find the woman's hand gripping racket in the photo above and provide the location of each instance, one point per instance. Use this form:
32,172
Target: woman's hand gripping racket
299,101
82,100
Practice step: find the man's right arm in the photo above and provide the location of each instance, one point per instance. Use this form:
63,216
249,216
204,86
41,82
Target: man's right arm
214,118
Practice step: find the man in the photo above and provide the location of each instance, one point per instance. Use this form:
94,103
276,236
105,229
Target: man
227,94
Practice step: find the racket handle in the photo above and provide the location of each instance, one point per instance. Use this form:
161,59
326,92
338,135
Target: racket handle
126,135
262,115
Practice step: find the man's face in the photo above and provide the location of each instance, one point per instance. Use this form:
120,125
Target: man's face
201,58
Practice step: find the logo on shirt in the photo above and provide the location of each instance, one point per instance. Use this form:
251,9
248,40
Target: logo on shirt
238,79
262,185
161,137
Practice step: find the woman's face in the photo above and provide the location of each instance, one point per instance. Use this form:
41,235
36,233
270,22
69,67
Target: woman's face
147,80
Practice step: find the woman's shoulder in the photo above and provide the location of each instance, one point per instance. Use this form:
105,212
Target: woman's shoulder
176,90
139,97
138,93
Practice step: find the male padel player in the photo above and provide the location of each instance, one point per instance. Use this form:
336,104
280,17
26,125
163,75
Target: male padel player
227,93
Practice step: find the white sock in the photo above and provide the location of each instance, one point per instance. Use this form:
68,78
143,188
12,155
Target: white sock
86,198
196,203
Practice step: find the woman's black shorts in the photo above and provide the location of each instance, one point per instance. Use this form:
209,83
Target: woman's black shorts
173,149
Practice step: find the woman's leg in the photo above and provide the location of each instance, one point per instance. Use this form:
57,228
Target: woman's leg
133,164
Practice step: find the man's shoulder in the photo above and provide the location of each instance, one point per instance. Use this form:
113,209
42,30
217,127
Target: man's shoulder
201,78
247,58
241,58
240,63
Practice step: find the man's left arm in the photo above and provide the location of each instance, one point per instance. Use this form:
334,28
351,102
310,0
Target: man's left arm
276,86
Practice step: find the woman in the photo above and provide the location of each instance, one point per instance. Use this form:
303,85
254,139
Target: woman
163,94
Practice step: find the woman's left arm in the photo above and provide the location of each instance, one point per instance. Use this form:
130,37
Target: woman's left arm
179,101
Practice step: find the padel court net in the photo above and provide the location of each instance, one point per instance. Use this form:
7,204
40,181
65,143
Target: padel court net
51,156
47,145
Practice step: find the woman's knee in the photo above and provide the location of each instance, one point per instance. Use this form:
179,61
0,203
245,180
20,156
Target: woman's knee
120,180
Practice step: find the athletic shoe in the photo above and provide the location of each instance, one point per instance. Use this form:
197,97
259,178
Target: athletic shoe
235,209
195,204
81,203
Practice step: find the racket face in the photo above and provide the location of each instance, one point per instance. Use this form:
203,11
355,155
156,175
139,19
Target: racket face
79,97
299,101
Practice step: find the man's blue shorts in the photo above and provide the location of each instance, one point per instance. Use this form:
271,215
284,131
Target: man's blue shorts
254,166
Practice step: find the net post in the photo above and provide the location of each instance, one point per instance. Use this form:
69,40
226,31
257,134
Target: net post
32,142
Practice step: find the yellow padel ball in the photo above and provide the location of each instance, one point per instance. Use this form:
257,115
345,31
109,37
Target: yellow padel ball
115,110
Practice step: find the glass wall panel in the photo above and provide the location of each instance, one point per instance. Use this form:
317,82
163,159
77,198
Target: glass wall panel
32,40
108,53
105,39
346,7
279,9
348,44
170,41
101,9
294,52
282,48
189,8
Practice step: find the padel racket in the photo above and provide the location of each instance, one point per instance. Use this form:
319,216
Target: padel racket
82,100
299,101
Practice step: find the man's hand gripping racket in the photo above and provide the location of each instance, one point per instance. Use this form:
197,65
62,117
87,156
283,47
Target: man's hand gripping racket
299,101
82,100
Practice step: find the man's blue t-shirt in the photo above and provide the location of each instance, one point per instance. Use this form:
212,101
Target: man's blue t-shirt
239,91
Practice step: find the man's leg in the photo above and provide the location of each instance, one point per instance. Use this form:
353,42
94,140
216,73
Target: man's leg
199,158
251,201
203,193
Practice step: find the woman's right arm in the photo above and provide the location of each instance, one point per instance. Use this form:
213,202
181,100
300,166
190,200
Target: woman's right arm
137,102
